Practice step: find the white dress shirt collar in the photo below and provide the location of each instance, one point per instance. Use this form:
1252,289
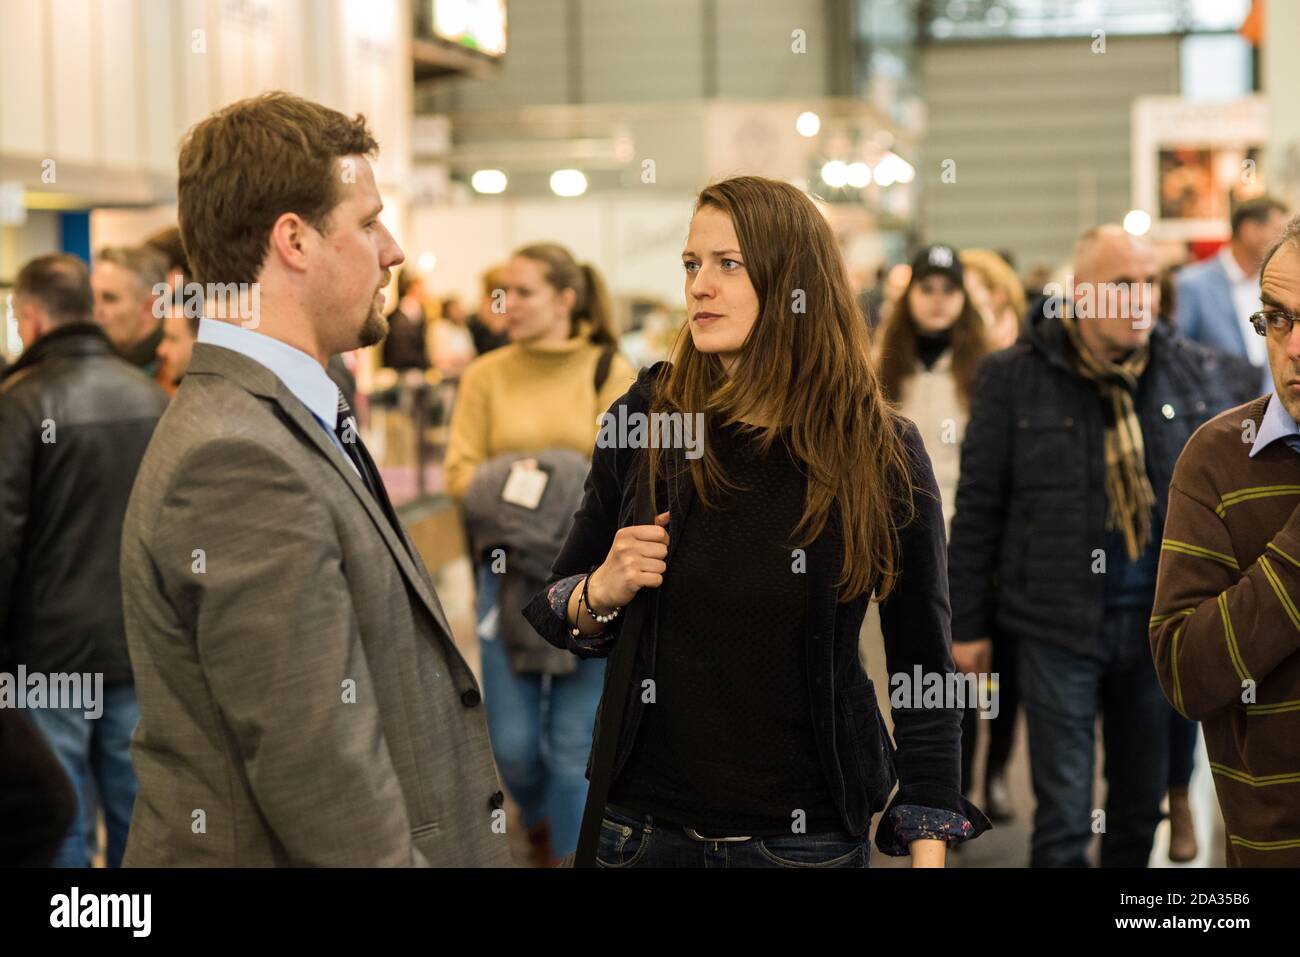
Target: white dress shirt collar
1277,424
301,374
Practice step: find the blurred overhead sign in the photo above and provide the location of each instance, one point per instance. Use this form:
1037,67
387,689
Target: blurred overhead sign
476,24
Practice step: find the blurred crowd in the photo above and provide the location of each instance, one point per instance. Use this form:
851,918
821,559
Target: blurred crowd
1050,437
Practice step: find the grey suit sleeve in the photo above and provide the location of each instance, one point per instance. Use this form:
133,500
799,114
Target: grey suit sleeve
280,648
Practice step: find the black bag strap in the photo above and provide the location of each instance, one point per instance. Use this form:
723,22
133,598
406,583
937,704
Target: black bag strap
602,367
618,689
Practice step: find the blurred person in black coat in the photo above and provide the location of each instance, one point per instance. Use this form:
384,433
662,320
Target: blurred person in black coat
74,423
406,346
36,799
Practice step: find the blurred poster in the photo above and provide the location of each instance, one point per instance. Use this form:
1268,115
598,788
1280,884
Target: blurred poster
1193,161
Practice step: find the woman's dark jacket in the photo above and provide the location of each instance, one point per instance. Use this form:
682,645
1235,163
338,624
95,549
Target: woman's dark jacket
857,756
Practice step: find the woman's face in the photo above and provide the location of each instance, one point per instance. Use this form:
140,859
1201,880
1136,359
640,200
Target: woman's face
935,303
534,308
720,300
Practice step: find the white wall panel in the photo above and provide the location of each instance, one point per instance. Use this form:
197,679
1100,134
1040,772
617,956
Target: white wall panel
23,91
73,102
164,44
119,61
196,27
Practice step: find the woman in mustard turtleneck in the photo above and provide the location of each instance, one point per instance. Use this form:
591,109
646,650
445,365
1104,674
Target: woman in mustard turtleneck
539,392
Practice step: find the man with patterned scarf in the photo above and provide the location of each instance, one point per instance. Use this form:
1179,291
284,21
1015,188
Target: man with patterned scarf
1065,471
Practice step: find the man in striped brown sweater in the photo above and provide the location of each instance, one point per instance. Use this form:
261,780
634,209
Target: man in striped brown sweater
1225,631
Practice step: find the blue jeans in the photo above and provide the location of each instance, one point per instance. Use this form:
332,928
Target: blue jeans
540,726
95,754
628,839
1064,694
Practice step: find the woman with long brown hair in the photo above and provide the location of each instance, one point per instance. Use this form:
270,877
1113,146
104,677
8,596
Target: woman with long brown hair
726,556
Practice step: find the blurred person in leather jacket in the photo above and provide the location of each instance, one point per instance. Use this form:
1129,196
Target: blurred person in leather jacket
74,423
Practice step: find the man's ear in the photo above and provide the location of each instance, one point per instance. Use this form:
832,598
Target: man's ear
291,240
39,321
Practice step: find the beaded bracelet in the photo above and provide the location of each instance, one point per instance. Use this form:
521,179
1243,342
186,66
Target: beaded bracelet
583,603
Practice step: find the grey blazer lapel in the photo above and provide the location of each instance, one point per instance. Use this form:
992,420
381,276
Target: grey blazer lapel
259,380
401,549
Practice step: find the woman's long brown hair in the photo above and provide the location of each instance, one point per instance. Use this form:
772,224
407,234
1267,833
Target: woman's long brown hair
805,365
897,360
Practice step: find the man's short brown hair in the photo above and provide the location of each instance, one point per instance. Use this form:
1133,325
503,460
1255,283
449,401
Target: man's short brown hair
1257,209
248,164
168,242
147,263
60,283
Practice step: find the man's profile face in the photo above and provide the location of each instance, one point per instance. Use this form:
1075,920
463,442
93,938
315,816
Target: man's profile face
176,346
1280,290
357,253
120,304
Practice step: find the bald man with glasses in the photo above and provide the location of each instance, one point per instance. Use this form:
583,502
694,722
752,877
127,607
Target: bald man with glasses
1225,632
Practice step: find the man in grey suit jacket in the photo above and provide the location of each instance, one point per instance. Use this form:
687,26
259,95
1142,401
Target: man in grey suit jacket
301,699
1215,298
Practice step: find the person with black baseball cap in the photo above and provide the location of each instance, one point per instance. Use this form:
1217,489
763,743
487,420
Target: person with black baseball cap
927,352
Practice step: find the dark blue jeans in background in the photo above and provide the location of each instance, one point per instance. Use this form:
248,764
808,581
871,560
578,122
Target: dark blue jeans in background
1182,749
628,839
98,751
1063,695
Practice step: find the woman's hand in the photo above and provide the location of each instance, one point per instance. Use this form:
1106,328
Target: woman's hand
636,560
928,853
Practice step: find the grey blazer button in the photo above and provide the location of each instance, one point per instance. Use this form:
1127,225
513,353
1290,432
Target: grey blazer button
471,698
1167,411
497,800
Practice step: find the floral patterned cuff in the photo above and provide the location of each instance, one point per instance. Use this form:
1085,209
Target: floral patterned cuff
557,596
912,822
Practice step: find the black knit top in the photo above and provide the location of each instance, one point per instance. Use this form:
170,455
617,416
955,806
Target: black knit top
727,746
